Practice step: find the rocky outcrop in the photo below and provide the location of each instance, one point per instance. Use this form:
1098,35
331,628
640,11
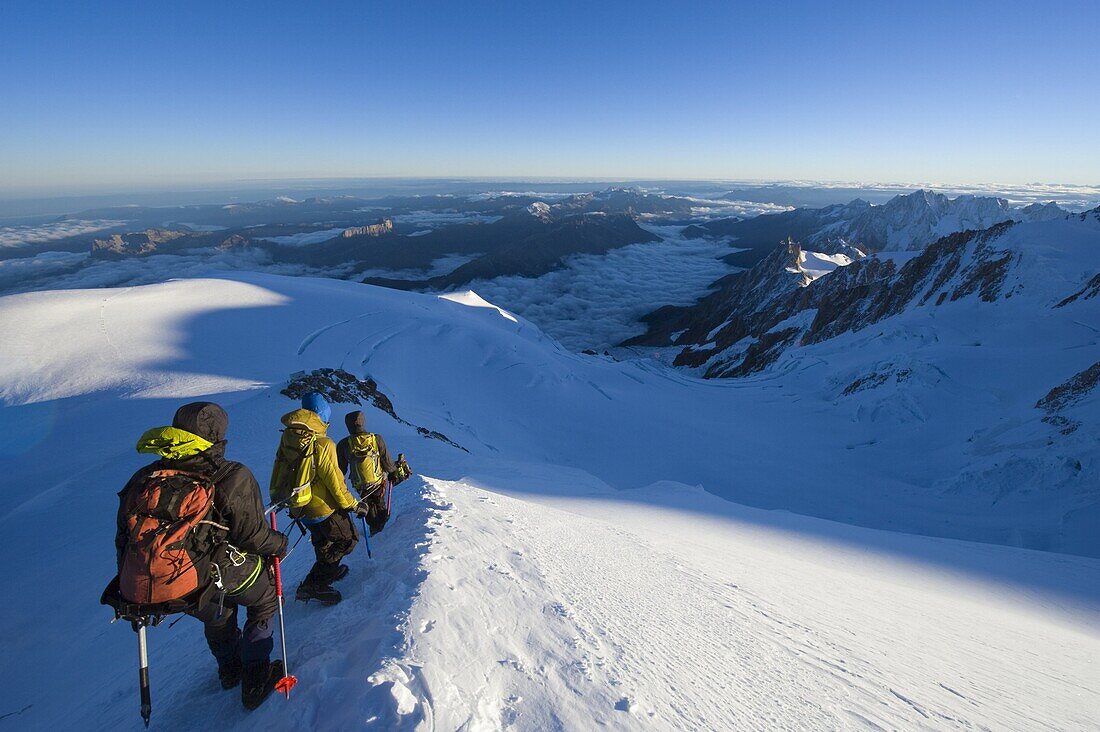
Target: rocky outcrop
233,242
876,379
383,227
1089,291
763,352
1067,394
340,387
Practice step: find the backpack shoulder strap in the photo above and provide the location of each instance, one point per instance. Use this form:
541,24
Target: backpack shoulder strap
221,473
214,516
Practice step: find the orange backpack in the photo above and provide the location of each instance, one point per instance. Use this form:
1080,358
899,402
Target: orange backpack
167,554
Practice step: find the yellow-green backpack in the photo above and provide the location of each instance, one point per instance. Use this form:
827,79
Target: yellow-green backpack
295,467
366,462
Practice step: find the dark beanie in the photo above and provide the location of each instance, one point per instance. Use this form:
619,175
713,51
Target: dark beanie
356,422
205,419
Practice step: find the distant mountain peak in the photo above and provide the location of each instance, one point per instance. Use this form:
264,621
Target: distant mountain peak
540,210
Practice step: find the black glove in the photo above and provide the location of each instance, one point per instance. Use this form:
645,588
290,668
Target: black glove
361,511
280,554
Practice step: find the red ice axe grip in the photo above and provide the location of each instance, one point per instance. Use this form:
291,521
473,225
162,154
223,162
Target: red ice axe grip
285,684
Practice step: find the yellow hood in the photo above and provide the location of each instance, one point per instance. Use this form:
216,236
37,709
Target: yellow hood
308,419
173,443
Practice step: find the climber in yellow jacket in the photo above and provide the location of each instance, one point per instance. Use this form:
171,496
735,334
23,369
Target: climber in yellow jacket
307,478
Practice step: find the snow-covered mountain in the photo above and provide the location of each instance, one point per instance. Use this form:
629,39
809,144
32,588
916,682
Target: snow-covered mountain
913,221
682,607
755,316
907,222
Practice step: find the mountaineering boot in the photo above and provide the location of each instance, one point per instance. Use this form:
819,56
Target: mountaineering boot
229,673
323,594
341,572
258,682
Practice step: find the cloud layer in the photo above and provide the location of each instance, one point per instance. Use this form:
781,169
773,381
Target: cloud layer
18,236
595,301
305,238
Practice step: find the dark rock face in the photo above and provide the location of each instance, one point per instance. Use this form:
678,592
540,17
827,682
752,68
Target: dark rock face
1067,394
752,304
876,379
966,259
1089,291
340,387
761,354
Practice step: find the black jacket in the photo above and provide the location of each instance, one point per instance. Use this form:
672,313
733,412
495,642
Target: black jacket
237,502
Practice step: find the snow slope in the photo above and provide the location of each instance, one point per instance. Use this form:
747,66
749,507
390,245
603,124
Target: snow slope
569,570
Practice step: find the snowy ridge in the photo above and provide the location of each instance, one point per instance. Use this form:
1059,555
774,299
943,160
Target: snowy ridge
915,220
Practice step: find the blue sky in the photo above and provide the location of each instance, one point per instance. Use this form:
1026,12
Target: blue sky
108,95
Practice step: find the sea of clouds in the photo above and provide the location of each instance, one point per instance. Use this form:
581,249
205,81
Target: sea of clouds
18,236
305,238
595,301
444,265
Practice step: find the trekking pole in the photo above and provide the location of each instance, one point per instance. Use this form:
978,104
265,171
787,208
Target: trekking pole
286,683
143,672
389,498
366,536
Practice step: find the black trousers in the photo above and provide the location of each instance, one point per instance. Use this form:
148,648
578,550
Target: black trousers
375,499
222,633
332,539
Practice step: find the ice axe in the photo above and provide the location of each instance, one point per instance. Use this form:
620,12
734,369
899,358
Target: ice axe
286,683
143,672
140,617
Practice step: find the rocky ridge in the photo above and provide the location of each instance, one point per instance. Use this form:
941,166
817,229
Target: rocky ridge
755,316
